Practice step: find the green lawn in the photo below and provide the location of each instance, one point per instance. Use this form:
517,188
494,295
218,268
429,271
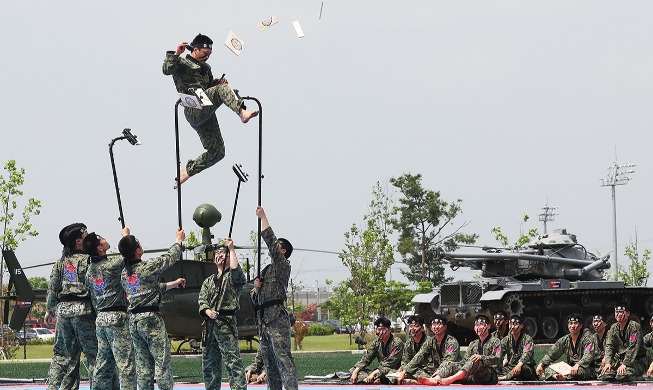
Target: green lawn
188,368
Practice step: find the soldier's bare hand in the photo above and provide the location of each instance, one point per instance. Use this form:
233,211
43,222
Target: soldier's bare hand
605,369
248,374
180,282
260,212
125,231
181,48
574,370
229,243
258,283
622,369
261,378
476,358
49,317
212,315
181,236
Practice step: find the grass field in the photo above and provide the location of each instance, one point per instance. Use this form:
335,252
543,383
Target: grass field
188,368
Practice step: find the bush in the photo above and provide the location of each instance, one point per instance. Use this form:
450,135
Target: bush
320,330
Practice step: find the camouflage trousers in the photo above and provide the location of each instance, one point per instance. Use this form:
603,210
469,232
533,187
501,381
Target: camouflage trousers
115,351
152,350
205,122
221,344
635,370
275,348
583,374
527,373
478,373
73,335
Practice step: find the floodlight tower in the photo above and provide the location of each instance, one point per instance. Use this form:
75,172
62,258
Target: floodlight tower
548,214
617,176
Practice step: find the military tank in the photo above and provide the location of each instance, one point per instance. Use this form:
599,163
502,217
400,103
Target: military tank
550,278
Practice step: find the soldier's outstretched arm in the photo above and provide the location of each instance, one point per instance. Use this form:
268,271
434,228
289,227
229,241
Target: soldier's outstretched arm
264,219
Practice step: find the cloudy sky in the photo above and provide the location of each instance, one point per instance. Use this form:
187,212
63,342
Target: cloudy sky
506,105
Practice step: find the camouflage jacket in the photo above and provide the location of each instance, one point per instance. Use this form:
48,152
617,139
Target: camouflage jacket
275,279
624,346
67,286
431,352
583,355
104,282
648,340
518,350
599,348
231,286
388,355
411,348
187,72
498,336
142,286
490,350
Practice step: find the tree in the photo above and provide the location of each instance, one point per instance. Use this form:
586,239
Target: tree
423,217
368,255
38,282
524,238
637,274
14,233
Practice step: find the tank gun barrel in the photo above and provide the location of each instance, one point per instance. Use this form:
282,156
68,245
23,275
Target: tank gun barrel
476,257
600,263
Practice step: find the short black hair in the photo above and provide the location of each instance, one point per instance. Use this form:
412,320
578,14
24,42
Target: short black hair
90,244
285,244
382,321
127,247
415,320
69,234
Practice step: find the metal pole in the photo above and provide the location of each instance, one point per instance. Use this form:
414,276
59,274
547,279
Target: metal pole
614,229
260,168
121,218
181,254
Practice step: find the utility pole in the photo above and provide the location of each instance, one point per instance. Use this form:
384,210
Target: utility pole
319,309
548,214
617,175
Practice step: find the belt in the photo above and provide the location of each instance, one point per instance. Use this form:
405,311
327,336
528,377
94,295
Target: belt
264,305
114,308
226,312
73,298
144,309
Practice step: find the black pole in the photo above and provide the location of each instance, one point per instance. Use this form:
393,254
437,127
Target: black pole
242,178
121,218
134,141
260,168
178,162
181,254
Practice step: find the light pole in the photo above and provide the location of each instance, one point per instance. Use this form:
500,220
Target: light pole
319,309
617,175
548,214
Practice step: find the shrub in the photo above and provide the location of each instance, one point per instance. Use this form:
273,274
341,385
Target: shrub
320,330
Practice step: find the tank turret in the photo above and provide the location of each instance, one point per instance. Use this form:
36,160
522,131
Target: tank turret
550,278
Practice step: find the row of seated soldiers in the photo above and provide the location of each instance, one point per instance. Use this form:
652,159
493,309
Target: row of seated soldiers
621,353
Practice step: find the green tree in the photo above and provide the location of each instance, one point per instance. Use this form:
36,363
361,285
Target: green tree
368,255
14,231
637,274
423,218
524,237
38,282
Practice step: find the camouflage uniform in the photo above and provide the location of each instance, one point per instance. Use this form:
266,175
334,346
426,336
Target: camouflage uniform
498,336
257,365
410,350
433,356
273,319
389,357
582,354
598,346
481,372
115,348
626,348
648,344
146,326
221,337
518,351
68,298
188,73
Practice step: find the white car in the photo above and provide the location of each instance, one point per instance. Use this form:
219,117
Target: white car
44,333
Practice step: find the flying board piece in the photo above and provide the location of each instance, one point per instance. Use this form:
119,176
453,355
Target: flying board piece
234,43
298,29
268,22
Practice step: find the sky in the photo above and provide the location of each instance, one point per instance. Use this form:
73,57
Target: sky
507,105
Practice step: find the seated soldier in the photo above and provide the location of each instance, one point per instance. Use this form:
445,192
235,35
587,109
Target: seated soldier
578,351
500,325
255,373
517,353
477,368
417,338
625,357
598,342
648,344
387,348
440,350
